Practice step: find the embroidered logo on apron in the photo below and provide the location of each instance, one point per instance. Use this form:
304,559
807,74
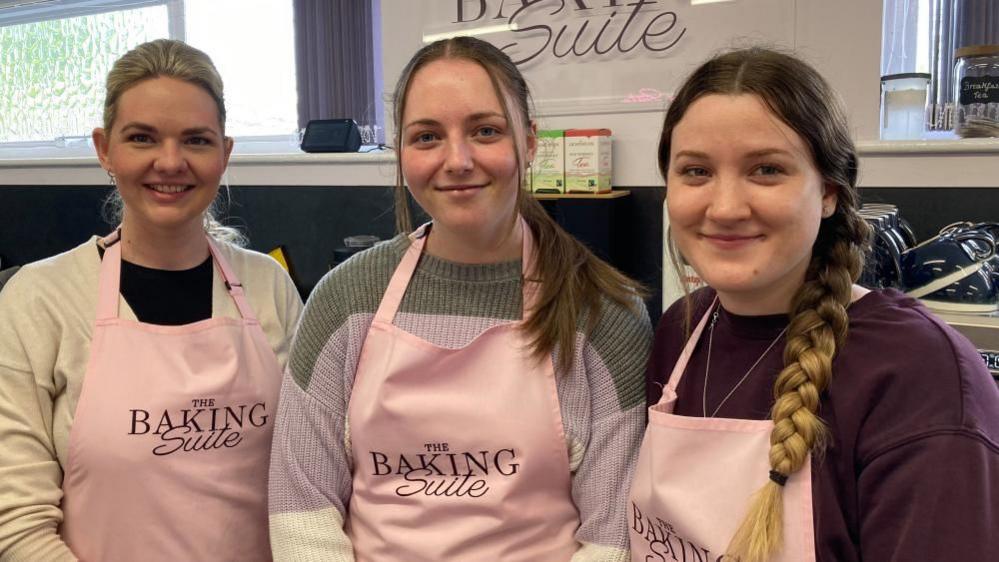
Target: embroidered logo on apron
663,542
678,470
423,490
204,426
438,471
202,404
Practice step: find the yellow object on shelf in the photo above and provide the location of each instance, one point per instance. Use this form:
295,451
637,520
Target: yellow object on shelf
280,257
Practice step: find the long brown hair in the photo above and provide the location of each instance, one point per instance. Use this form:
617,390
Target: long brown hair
796,94
572,280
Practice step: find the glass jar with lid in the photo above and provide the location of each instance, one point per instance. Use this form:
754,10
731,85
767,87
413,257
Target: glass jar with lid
903,105
976,91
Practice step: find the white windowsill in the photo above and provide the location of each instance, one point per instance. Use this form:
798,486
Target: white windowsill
929,163
924,164
929,147
301,158
374,168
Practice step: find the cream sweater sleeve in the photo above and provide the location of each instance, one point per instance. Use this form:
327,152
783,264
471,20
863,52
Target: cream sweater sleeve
47,313
44,344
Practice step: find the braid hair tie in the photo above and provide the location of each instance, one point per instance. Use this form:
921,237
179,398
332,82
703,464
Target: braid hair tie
778,478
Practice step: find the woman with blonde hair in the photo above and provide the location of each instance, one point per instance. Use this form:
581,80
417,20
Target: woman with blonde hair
139,372
471,390
875,434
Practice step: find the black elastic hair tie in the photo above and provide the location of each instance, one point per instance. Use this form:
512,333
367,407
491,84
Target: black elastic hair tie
778,478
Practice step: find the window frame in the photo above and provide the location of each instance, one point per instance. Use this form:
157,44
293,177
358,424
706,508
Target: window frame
927,41
16,12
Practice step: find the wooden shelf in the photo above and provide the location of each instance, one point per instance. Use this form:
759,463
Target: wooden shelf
606,195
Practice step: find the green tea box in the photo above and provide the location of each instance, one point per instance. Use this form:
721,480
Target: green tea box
548,168
588,160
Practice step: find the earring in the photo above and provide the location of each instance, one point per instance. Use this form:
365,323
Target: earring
111,178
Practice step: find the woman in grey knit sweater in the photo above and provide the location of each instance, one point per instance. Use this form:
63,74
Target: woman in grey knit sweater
472,390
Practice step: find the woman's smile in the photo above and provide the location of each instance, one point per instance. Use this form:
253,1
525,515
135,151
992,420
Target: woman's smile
732,241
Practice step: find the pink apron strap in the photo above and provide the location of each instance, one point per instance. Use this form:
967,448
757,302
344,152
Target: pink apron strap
400,279
688,350
110,279
232,282
404,272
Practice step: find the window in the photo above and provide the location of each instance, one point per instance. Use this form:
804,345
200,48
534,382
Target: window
54,56
923,36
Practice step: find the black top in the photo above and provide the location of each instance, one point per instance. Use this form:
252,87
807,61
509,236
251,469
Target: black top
167,298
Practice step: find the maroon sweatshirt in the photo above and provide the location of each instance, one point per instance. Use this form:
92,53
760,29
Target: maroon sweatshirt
911,471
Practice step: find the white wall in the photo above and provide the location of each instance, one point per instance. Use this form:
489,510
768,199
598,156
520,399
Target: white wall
843,39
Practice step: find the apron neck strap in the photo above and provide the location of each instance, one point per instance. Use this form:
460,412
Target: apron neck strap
404,273
109,284
110,277
400,278
232,282
688,350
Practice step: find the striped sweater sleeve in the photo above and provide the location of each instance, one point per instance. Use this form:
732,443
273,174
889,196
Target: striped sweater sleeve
310,473
611,364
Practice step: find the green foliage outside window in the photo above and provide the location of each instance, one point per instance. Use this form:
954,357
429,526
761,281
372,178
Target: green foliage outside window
52,72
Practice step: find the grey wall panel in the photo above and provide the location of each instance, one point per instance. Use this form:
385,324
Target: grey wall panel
36,222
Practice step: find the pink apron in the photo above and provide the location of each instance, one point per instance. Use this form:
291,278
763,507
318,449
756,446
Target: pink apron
459,454
694,480
169,449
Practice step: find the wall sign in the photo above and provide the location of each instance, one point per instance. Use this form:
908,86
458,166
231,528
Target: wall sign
577,29
597,63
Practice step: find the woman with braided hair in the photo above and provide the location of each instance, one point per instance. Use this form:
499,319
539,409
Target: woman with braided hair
876,435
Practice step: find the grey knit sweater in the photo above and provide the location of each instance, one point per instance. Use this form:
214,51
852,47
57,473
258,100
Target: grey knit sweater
449,304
